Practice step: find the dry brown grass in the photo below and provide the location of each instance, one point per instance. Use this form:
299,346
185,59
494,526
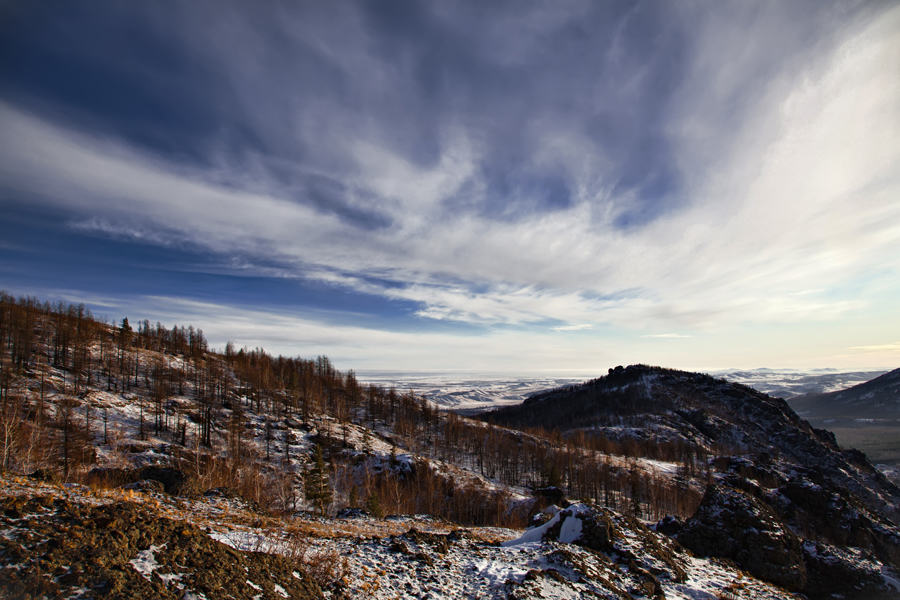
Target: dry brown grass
325,565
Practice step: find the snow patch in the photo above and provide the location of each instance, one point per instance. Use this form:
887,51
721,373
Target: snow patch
570,529
891,578
145,562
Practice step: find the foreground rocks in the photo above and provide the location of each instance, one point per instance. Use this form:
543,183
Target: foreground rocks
123,550
619,557
751,528
69,541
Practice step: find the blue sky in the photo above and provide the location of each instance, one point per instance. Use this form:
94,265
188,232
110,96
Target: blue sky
464,185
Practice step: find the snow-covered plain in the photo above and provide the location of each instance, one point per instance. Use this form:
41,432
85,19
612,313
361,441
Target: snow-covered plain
472,391
787,383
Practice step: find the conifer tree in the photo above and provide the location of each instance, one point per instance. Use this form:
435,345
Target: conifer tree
373,505
316,486
635,493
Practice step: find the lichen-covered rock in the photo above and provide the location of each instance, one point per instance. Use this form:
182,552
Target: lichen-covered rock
126,551
732,524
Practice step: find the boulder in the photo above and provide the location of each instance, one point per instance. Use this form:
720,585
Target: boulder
145,485
669,525
175,481
551,496
110,476
45,475
843,572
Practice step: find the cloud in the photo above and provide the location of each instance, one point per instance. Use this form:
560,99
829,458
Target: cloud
894,346
129,232
581,327
280,332
666,335
712,169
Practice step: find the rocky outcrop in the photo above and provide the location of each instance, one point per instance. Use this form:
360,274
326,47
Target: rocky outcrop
831,514
843,572
175,481
732,524
645,554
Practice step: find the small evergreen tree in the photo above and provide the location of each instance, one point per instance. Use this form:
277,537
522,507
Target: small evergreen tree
635,494
373,506
353,500
317,487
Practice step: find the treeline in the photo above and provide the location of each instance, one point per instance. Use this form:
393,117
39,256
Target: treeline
224,412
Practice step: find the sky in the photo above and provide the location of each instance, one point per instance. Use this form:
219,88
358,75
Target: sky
508,186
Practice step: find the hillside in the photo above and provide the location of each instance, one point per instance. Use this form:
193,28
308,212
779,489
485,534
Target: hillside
864,416
875,399
664,408
123,447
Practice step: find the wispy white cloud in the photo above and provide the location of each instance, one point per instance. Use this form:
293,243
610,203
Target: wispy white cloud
130,232
581,327
351,345
665,335
894,346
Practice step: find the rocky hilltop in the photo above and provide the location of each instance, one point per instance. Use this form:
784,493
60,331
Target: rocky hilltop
65,546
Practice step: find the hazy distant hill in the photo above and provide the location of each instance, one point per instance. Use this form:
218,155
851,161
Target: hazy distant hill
787,383
876,399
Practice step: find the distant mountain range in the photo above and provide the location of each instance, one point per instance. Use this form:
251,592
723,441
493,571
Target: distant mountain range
875,399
